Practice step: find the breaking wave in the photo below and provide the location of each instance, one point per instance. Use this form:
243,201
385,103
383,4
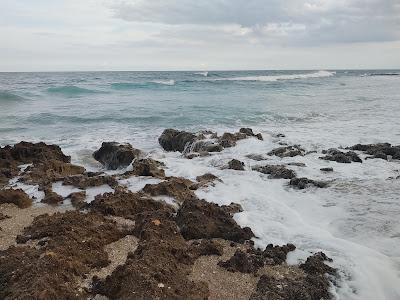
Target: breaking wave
271,78
138,85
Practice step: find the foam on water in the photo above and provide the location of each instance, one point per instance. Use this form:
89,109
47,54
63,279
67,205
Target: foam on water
279,77
354,220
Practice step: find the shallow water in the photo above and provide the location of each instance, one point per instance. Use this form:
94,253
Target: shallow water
355,220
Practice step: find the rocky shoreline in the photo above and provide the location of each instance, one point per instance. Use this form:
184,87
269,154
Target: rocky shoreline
137,245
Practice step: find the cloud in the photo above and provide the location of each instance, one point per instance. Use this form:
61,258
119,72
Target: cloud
289,22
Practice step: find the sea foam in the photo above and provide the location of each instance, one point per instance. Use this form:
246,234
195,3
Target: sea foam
272,78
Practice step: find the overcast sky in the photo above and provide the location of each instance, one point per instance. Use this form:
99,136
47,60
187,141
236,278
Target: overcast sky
57,35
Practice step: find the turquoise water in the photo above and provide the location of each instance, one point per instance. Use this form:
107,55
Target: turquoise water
355,220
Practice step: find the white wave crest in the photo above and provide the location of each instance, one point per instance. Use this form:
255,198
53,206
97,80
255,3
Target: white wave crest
269,78
205,74
165,82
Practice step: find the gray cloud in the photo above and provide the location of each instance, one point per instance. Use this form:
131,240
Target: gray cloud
290,22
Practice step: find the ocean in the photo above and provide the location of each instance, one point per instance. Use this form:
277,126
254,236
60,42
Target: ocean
355,220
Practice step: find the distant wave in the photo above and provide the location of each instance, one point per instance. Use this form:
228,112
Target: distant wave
205,74
135,85
164,82
382,74
269,78
71,90
10,97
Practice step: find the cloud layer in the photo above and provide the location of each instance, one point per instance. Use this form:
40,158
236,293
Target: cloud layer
189,34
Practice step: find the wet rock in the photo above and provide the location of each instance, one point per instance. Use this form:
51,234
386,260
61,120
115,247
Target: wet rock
249,132
235,164
204,146
175,140
205,180
126,204
243,262
276,255
175,187
232,208
296,164
384,150
199,219
90,180
78,199
228,140
51,197
276,171
341,157
146,167
45,173
17,197
303,183
288,151
326,169
256,157
74,245
315,265
308,282
114,155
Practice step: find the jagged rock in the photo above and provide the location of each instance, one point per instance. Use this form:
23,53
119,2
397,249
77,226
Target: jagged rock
51,197
202,146
288,151
235,164
276,171
249,132
17,197
199,219
175,140
146,167
90,180
175,187
78,199
341,157
243,262
302,183
207,179
232,208
384,150
126,204
114,155
206,247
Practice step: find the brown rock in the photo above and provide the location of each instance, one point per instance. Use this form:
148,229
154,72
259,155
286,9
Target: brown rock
17,197
175,187
114,155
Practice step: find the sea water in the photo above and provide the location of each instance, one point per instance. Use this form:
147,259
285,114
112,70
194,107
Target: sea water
355,220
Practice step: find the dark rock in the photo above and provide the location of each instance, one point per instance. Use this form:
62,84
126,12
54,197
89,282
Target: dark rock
341,157
114,155
90,180
326,169
302,183
384,150
228,140
205,180
78,199
232,208
146,167
51,197
175,187
276,171
235,164
174,140
249,132
296,164
199,219
276,255
243,262
256,157
315,264
206,247
288,151
203,146
17,197
126,204
3,217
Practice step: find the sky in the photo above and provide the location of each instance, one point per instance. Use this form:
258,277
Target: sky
89,35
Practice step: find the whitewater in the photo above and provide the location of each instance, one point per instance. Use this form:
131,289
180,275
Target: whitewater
354,221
